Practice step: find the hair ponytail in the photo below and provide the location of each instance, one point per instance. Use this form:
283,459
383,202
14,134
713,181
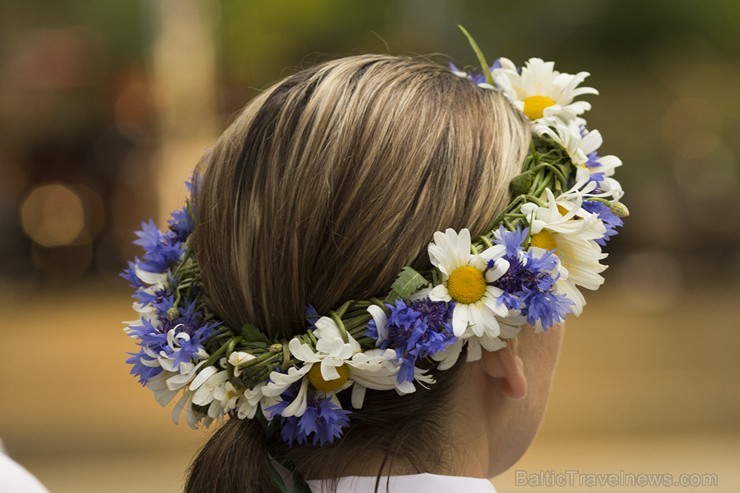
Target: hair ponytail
235,459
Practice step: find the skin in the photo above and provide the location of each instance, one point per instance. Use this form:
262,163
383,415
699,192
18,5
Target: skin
498,408
503,403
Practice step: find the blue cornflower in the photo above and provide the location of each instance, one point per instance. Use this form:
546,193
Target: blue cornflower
322,422
143,371
160,249
160,297
547,307
190,320
512,240
474,77
529,284
312,315
153,339
181,224
130,274
611,221
416,329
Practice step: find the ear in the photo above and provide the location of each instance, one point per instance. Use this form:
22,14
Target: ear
507,369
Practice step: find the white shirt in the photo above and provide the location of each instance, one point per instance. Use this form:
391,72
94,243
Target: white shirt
15,479
413,483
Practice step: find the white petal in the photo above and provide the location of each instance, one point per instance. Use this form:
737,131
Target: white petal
203,396
353,344
329,370
569,289
491,344
238,357
493,252
381,321
441,259
487,318
215,410
299,404
179,380
449,356
246,410
510,329
406,387
460,319
302,351
326,328
358,395
474,352
383,379
440,293
492,301
499,268
153,278
462,246
204,375
281,381
182,403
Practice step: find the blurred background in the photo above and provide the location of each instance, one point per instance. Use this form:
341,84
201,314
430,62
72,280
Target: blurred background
105,108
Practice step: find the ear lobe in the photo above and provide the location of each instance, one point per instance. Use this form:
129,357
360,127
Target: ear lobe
507,368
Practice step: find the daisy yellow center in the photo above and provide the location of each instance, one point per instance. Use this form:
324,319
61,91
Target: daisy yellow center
546,240
562,210
466,284
534,106
317,379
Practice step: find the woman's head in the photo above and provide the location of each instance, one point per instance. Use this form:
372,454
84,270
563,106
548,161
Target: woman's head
335,178
324,187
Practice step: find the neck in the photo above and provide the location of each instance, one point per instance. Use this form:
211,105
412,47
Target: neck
466,450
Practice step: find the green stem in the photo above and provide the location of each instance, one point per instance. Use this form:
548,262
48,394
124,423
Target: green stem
478,53
338,320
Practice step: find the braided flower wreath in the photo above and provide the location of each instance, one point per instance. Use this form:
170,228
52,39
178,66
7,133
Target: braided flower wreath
527,268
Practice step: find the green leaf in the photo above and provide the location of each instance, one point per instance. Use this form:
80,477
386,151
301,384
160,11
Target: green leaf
299,484
521,183
277,479
253,334
407,283
481,58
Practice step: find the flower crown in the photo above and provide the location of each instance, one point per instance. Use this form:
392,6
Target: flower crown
527,268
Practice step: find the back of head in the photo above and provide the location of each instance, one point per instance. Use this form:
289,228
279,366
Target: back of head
324,187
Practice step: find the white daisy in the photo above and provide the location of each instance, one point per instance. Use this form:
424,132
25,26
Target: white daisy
377,369
172,380
334,366
581,149
540,90
509,327
249,401
279,383
211,388
192,416
569,230
332,354
465,278
567,136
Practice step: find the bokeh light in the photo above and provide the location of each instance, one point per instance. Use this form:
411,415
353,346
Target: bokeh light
53,215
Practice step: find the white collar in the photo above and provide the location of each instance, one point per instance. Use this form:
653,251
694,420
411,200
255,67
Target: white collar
428,483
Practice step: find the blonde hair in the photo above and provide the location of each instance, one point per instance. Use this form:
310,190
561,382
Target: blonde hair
324,187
